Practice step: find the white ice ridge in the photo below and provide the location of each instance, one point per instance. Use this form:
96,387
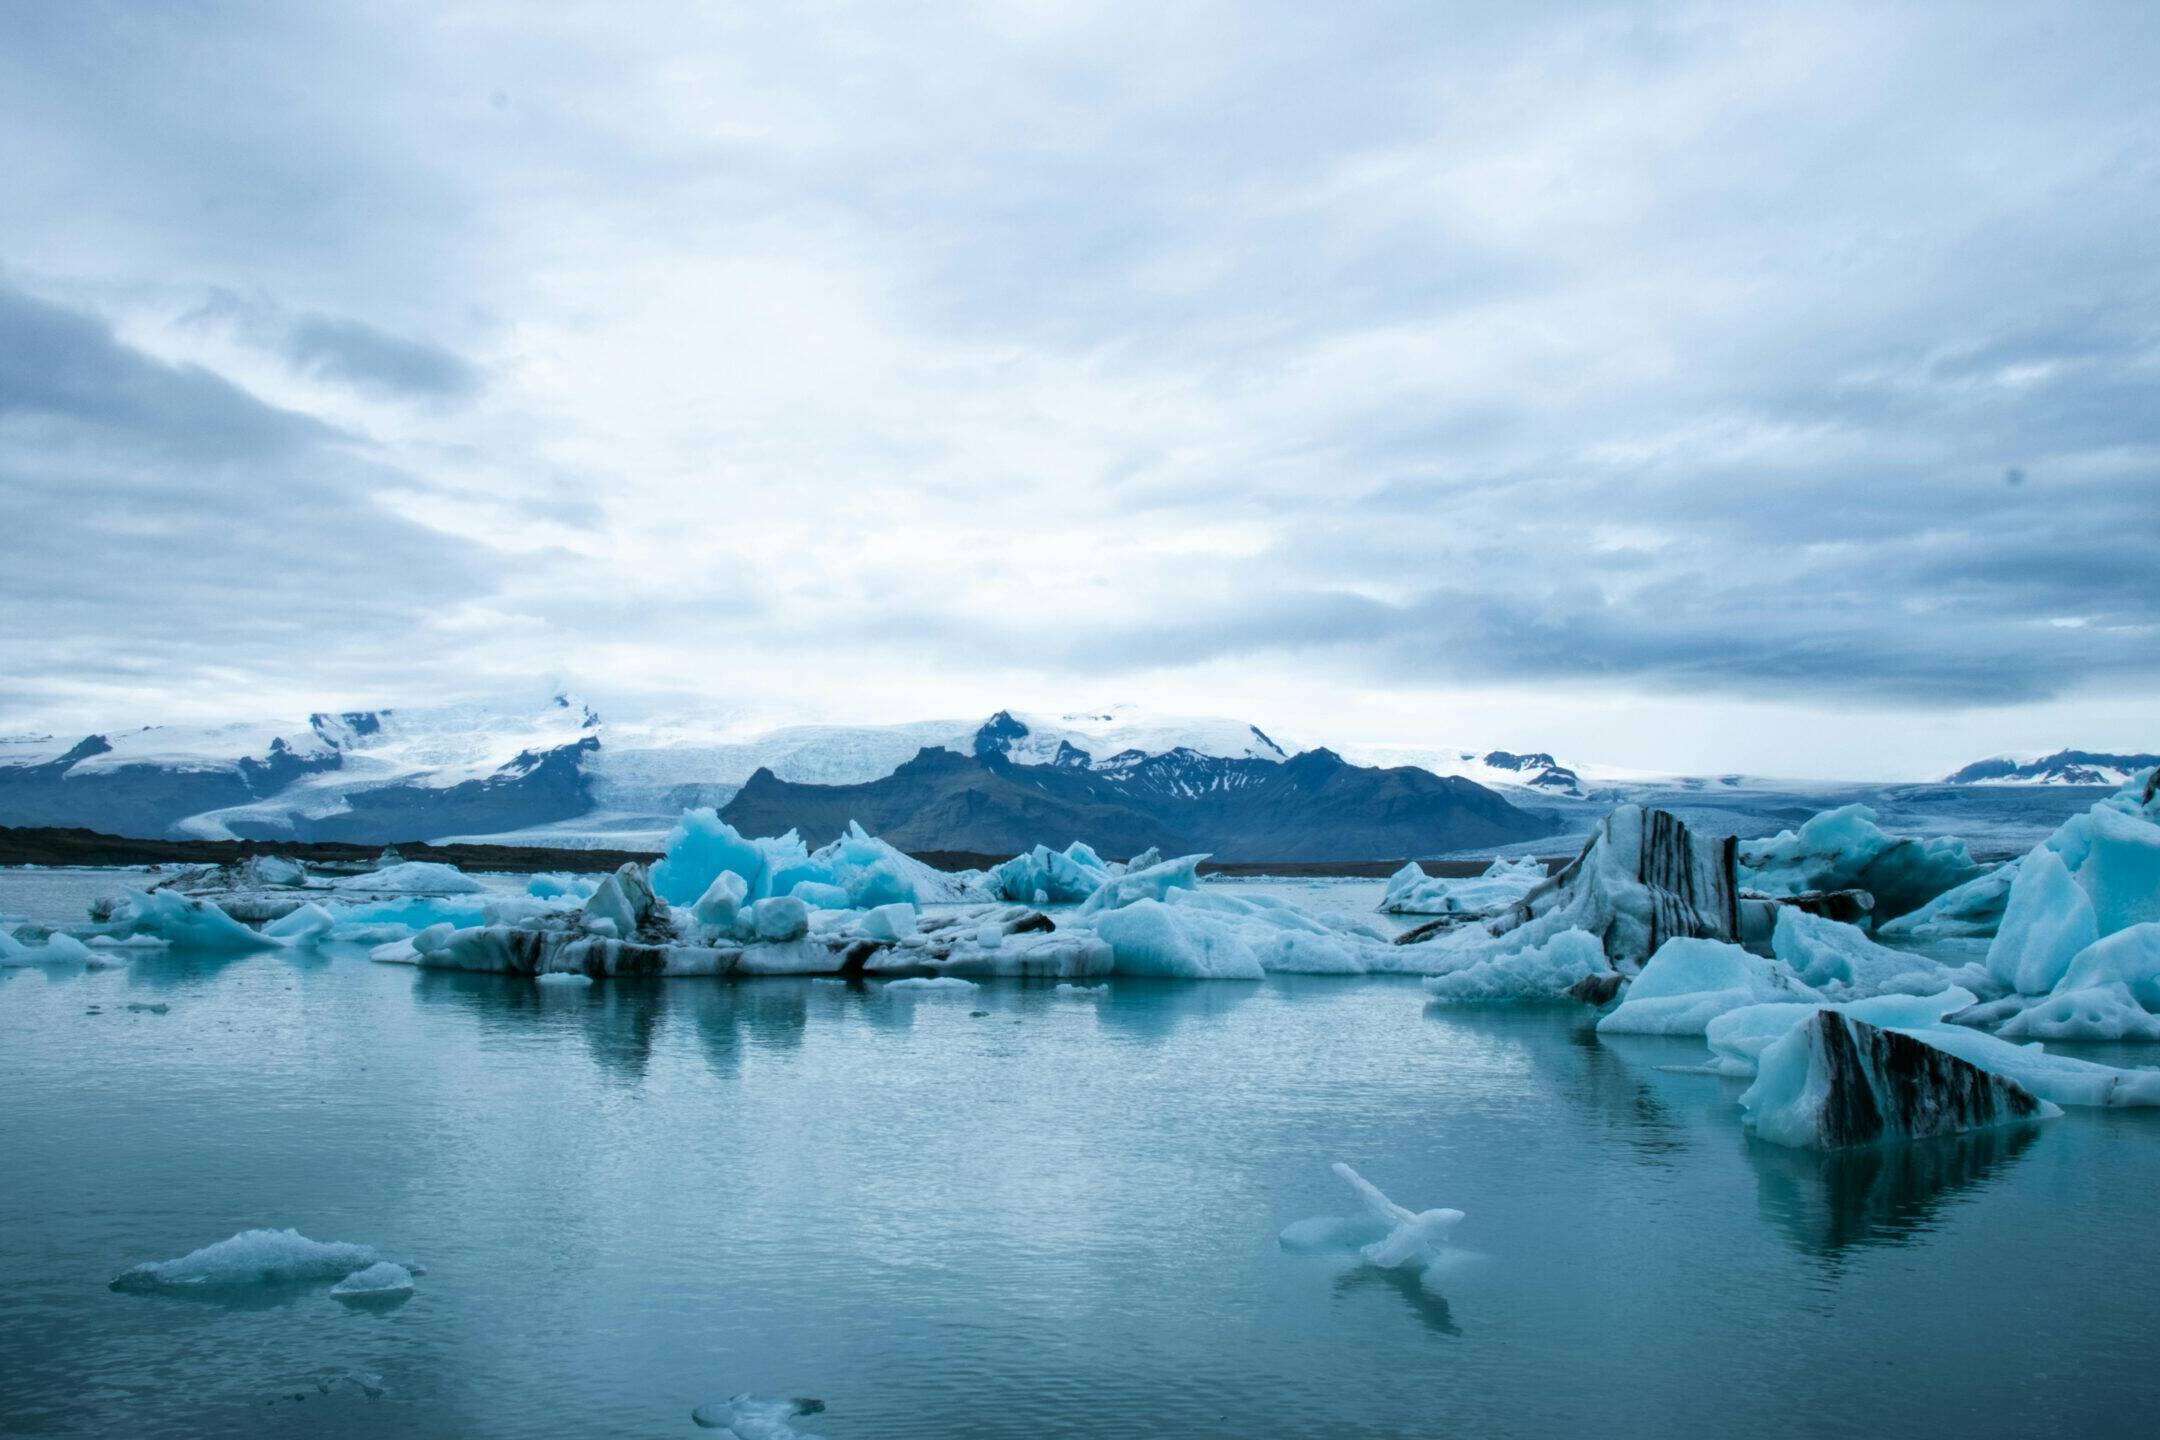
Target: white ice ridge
255,1257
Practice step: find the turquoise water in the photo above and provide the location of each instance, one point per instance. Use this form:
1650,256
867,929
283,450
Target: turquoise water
1054,1218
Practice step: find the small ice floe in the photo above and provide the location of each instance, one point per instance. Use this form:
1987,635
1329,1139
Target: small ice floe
758,1417
1388,1235
562,977
384,1280
919,984
252,1257
53,949
150,1008
1082,992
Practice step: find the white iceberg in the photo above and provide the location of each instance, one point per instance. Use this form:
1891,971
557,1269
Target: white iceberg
411,877
55,949
309,922
252,1257
1688,983
757,1417
187,924
1545,972
381,1280
1401,1238
1842,962
1411,891
2048,920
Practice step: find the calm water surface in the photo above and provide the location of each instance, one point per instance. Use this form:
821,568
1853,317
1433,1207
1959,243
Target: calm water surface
1054,1218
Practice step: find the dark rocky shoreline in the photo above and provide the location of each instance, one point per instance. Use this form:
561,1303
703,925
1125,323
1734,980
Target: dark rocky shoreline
46,845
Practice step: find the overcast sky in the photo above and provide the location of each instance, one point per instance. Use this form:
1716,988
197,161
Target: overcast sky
1694,388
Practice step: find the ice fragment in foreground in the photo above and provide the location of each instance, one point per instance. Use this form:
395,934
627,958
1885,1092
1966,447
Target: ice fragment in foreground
383,1278
1408,1239
252,1257
757,1417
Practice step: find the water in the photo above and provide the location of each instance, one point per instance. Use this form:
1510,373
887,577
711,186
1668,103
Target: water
1056,1218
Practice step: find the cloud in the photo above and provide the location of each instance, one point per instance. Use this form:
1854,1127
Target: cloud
1594,356
169,532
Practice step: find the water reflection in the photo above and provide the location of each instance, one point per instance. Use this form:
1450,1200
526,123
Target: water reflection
1151,1011
1828,1203
1430,1306
732,1015
619,1019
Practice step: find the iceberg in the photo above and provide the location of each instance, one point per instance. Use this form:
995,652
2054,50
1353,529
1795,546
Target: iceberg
2091,1012
1050,877
1972,911
187,924
381,1280
2048,920
1690,982
309,922
916,984
1842,962
1844,849
54,949
1833,1082
1551,971
1641,879
1412,892
1152,882
411,877
1403,1238
252,1257
1203,934
756,1417
858,866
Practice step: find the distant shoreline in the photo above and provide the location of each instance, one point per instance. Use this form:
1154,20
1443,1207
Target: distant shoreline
52,846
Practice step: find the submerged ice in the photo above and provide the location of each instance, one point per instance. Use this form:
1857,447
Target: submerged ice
253,1257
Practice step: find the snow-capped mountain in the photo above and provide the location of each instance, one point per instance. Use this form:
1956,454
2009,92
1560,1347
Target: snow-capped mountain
1535,770
554,772
2064,767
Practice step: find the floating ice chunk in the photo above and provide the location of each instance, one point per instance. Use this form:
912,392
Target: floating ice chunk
309,922
1843,962
1738,1037
1412,892
1544,972
1844,849
562,977
2120,868
1689,982
54,949
757,1417
2048,920
1153,883
1083,992
722,901
378,1281
780,918
2090,1012
2129,957
188,924
1048,877
700,848
1833,1082
1406,1239
820,895
412,877
891,923
252,1257
1972,911
561,885
917,984
1149,937
2060,1078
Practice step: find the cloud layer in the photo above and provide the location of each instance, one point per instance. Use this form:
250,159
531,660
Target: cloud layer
1526,378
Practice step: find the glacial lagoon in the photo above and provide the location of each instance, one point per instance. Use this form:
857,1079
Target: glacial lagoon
1019,1210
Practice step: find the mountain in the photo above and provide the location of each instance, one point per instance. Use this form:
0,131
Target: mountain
1312,806
553,773
363,776
2064,767
1501,769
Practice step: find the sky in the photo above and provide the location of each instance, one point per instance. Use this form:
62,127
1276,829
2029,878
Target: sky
1682,387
